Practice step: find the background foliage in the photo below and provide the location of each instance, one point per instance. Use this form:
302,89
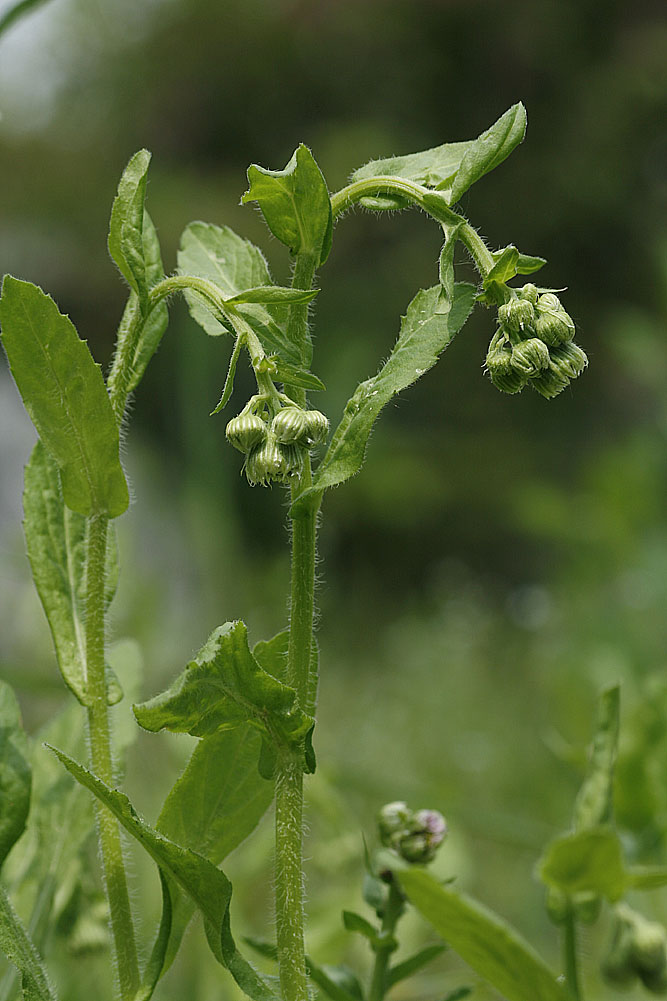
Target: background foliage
500,558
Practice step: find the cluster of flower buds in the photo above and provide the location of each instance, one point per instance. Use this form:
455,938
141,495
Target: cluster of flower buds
275,446
415,836
638,950
533,345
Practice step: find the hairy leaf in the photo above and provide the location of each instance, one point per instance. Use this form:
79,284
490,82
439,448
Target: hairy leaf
20,950
234,265
273,294
446,263
490,149
495,950
155,323
133,242
293,375
15,772
589,861
56,539
295,204
594,803
223,687
207,885
429,326
433,168
228,387
356,923
216,803
64,393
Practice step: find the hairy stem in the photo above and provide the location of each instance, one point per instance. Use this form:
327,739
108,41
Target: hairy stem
129,332
289,880
113,867
392,913
570,957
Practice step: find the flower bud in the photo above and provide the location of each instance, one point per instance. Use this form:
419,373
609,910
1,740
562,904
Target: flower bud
290,425
266,462
569,360
558,906
529,292
415,836
548,300
649,947
530,357
317,427
245,431
295,460
393,822
554,327
550,382
516,315
587,907
503,375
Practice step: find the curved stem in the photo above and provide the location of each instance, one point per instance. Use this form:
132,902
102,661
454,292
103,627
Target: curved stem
431,201
101,761
570,957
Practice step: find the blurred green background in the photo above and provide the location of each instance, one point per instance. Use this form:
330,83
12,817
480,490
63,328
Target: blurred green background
501,558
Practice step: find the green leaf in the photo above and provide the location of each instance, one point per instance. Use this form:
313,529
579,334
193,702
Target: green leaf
527,265
589,861
446,263
293,375
594,803
234,265
429,326
223,687
274,294
56,543
414,963
18,10
126,228
15,772
356,923
20,950
489,150
505,266
295,204
64,393
215,804
156,321
495,950
433,168
207,885
646,877
337,981
228,387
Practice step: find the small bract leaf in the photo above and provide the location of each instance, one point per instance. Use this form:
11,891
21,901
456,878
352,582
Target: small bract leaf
15,772
126,228
446,263
294,375
495,950
589,861
207,885
234,265
64,393
490,149
273,294
157,320
647,877
505,266
222,687
56,542
414,963
295,204
594,802
432,167
527,265
429,326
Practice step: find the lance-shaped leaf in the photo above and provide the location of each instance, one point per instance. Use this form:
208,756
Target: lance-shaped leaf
446,262
64,393
295,204
223,687
15,772
594,804
489,150
133,242
495,950
19,949
234,265
56,543
414,963
431,322
274,294
589,861
433,168
207,885
216,803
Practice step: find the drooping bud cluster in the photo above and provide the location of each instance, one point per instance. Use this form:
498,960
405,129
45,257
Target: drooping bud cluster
534,345
416,836
275,446
638,949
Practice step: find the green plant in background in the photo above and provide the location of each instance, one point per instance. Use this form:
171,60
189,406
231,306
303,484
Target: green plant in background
253,708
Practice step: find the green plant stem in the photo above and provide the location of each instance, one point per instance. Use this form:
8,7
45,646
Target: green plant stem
101,761
570,958
432,202
129,332
392,913
289,880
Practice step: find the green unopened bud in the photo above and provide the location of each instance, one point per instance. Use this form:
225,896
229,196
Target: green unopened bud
548,300
558,906
516,315
245,431
503,375
295,460
290,425
656,983
530,357
569,360
617,966
587,907
550,383
393,822
649,947
317,427
554,327
266,463
415,836
529,292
